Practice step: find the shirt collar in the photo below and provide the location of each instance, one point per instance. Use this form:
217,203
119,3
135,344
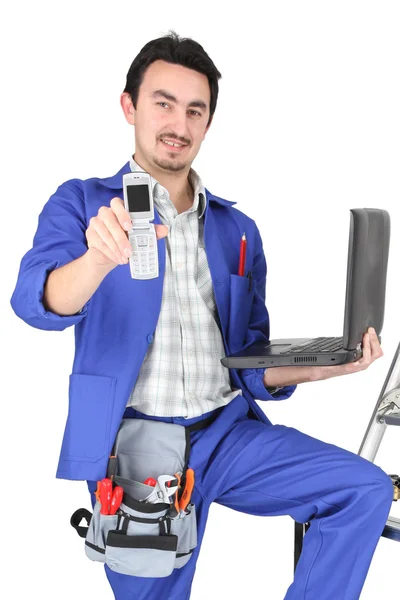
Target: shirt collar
199,198
114,182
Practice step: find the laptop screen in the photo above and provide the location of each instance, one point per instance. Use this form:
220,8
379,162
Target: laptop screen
367,261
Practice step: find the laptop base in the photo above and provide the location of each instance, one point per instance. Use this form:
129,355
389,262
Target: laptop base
268,355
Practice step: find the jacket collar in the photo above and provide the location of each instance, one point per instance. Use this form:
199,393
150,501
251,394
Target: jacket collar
115,183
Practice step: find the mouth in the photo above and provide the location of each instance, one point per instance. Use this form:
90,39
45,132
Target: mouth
173,146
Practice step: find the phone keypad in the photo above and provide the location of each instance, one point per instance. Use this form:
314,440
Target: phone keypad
143,254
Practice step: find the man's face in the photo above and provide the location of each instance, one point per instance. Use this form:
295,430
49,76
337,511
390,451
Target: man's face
173,105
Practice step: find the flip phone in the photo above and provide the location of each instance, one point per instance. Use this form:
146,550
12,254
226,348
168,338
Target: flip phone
138,201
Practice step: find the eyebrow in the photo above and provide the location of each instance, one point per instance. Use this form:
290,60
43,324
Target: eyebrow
171,98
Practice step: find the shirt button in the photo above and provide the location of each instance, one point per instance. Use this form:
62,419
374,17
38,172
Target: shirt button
150,338
179,265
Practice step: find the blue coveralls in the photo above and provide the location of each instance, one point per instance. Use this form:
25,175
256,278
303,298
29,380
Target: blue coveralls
263,469
241,460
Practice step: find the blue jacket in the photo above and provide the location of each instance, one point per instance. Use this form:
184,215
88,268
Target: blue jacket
113,330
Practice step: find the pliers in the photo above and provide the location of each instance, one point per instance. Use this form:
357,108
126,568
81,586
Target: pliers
188,489
110,500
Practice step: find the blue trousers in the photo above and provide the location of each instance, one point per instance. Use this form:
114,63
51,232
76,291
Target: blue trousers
264,469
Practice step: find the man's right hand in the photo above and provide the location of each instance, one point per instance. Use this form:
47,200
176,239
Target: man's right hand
107,234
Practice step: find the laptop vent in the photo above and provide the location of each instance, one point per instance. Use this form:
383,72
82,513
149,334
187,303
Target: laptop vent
299,359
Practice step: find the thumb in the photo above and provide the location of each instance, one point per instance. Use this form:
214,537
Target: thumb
161,231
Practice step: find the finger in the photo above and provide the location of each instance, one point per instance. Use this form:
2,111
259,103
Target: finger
366,348
376,348
161,231
94,241
101,246
104,233
123,216
114,227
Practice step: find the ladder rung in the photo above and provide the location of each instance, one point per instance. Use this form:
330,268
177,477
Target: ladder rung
393,418
392,529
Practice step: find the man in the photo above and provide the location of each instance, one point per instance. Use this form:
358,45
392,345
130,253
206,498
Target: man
151,349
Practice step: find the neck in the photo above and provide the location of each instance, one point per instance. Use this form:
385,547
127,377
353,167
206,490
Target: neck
178,185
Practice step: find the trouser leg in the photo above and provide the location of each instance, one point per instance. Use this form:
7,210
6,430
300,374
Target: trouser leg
266,469
174,587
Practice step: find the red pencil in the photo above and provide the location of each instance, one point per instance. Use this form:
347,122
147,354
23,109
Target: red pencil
242,257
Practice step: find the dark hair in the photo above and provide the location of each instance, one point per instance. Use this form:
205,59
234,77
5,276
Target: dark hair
176,50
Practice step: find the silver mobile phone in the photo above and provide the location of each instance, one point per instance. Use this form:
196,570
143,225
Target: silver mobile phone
138,201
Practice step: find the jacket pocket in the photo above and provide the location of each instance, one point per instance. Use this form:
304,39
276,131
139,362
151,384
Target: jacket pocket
87,431
241,301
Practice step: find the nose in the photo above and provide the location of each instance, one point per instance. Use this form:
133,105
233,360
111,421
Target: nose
178,125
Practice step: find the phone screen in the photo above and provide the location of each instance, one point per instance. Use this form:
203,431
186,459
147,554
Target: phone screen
138,198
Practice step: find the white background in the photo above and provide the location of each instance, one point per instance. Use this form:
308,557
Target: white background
307,126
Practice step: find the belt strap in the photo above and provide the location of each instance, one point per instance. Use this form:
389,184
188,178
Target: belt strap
81,513
205,422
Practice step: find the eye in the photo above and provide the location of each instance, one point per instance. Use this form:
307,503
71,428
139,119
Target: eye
195,111
162,103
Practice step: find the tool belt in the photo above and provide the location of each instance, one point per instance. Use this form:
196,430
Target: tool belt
151,533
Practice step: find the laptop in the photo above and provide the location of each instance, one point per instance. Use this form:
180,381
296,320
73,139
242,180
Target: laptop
367,260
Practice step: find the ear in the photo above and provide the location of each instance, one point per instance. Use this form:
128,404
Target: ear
128,108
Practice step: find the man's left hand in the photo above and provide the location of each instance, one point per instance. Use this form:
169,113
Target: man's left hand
282,376
371,351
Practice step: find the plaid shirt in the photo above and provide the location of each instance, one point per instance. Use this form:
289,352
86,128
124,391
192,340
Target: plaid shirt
181,374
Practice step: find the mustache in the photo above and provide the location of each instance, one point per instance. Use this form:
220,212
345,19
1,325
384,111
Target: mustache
172,136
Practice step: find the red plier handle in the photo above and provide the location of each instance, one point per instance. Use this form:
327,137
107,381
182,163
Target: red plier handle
110,500
116,499
105,495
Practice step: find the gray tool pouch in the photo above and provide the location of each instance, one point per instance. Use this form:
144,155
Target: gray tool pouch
144,539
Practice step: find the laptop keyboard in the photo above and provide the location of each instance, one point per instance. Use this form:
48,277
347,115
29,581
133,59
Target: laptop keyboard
321,344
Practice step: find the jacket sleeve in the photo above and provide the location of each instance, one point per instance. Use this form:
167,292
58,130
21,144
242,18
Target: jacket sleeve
258,330
59,239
